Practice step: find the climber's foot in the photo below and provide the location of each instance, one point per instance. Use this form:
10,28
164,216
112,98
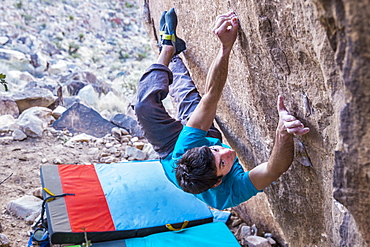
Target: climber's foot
169,36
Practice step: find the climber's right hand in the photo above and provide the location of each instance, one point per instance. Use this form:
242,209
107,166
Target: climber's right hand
287,122
226,29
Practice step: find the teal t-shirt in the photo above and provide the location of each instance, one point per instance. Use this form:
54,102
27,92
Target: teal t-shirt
236,187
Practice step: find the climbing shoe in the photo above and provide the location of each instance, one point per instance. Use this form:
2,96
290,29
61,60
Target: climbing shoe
169,36
162,27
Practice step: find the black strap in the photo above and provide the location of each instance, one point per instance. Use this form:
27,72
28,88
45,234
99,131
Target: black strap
48,199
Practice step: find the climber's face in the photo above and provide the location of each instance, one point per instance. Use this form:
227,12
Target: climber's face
224,159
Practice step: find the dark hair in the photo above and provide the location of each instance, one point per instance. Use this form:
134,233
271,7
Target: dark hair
196,171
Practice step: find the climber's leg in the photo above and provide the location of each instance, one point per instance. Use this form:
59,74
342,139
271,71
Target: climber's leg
185,94
159,127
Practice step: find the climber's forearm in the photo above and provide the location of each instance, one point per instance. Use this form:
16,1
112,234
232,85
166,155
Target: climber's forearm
282,154
225,29
279,162
217,73
205,112
283,151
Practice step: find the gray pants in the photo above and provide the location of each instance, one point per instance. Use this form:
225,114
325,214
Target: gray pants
160,129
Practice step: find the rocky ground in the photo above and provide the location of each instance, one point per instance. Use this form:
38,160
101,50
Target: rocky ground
22,159
61,45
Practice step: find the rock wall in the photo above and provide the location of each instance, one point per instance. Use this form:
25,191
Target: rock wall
316,54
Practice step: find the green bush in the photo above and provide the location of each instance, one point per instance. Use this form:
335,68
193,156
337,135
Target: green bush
19,5
2,81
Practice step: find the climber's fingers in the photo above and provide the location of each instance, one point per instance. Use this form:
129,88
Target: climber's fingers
222,18
294,126
228,26
302,131
299,130
288,122
280,105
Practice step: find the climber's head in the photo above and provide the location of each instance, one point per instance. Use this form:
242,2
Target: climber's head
202,168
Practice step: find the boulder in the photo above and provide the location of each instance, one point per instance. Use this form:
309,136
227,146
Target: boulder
25,43
80,138
70,100
83,119
40,62
35,120
26,207
50,48
15,75
14,58
256,241
245,231
33,97
4,241
74,87
17,80
58,68
314,53
128,123
134,154
88,95
57,112
18,135
8,106
46,83
4,40
7,123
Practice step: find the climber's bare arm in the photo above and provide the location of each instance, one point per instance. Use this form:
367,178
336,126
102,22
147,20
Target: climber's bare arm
226,30
283,152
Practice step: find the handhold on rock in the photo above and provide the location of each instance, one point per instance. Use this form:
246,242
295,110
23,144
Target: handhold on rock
301,154
307,105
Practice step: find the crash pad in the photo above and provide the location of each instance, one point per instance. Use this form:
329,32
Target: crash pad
116,201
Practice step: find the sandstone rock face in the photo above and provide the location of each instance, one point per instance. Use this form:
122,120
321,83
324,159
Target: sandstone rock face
316,54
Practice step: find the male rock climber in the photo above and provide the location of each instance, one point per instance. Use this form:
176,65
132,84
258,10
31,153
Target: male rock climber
190,147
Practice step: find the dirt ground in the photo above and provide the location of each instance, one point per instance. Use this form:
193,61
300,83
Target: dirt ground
23,159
